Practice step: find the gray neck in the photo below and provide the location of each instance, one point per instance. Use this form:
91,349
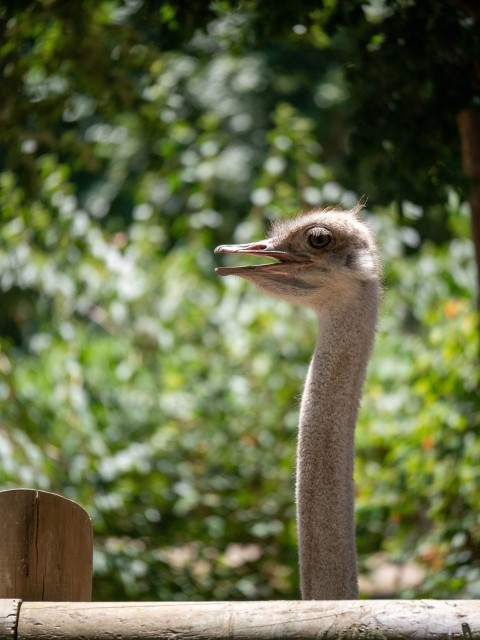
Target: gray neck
325,457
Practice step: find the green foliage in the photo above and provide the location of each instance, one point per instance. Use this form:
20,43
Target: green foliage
163,400
402,78
417,440
119,404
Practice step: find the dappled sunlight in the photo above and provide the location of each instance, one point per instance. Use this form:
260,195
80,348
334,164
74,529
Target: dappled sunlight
136,137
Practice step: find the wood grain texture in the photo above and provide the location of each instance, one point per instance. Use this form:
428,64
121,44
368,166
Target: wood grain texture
372,619
46,547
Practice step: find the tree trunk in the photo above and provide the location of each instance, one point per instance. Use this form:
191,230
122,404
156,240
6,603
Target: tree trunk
469,128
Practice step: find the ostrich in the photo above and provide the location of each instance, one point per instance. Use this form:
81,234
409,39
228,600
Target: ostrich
326,260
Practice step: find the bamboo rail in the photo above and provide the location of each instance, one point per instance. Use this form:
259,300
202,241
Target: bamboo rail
275,620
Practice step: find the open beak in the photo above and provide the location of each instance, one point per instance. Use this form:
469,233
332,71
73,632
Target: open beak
263,248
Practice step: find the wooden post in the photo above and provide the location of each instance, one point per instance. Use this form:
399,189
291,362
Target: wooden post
46,547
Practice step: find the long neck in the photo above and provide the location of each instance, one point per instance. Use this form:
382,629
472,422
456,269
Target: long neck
325,456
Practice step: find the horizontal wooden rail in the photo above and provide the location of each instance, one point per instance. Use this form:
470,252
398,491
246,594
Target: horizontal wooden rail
376,619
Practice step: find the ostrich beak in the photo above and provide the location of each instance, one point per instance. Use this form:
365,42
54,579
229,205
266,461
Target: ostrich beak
263,248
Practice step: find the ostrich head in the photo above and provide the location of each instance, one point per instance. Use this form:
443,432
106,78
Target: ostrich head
321,257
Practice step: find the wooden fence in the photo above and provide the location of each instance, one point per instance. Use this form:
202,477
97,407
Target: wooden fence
45,592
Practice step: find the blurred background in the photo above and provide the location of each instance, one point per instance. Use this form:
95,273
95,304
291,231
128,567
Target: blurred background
135,136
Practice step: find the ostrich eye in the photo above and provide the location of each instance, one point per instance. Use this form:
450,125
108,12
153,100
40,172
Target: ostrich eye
320,238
